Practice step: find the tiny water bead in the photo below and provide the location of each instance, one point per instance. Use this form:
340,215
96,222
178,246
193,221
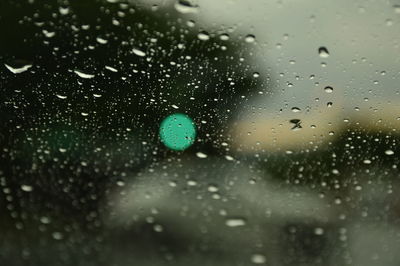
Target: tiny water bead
177,132
328,89
323,52
250,38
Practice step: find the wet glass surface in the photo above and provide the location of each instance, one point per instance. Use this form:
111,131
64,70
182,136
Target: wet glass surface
163,132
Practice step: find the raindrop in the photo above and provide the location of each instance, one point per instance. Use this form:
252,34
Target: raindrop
366,161
18,70
335,171
62,97
250,38
101,40
258,259
111,69
83,75
48,34
192,183
319,231
158,228
45,220
186,6
396,9
296,109
57,235
203,35
191,23
63,10
26,188
229,158
235,222
212,188
328,89
224,37
138,52
323,52
201,155
389,152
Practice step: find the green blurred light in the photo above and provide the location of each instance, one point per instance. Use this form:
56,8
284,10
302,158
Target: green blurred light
177,132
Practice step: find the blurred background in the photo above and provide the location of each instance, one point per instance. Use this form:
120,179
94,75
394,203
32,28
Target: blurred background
297,117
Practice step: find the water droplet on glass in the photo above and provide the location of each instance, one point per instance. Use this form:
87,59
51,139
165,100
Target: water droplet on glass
323,52
203,35
389,152
138,52
63,10
111,69
48,34
319,231
235,222
201,155
296,109
250,38
229,158
328,89
186,6
212,188
45,220
158,228
396,9
62,97
258,259
366,161
83,75
224,37
191,23
18,70
57,235
26,188
101,40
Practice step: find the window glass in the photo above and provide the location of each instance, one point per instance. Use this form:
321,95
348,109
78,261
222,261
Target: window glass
199,132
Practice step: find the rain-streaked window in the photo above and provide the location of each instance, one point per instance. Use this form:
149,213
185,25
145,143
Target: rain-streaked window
199,132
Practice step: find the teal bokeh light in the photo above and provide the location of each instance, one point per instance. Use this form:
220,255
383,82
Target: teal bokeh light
177,132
